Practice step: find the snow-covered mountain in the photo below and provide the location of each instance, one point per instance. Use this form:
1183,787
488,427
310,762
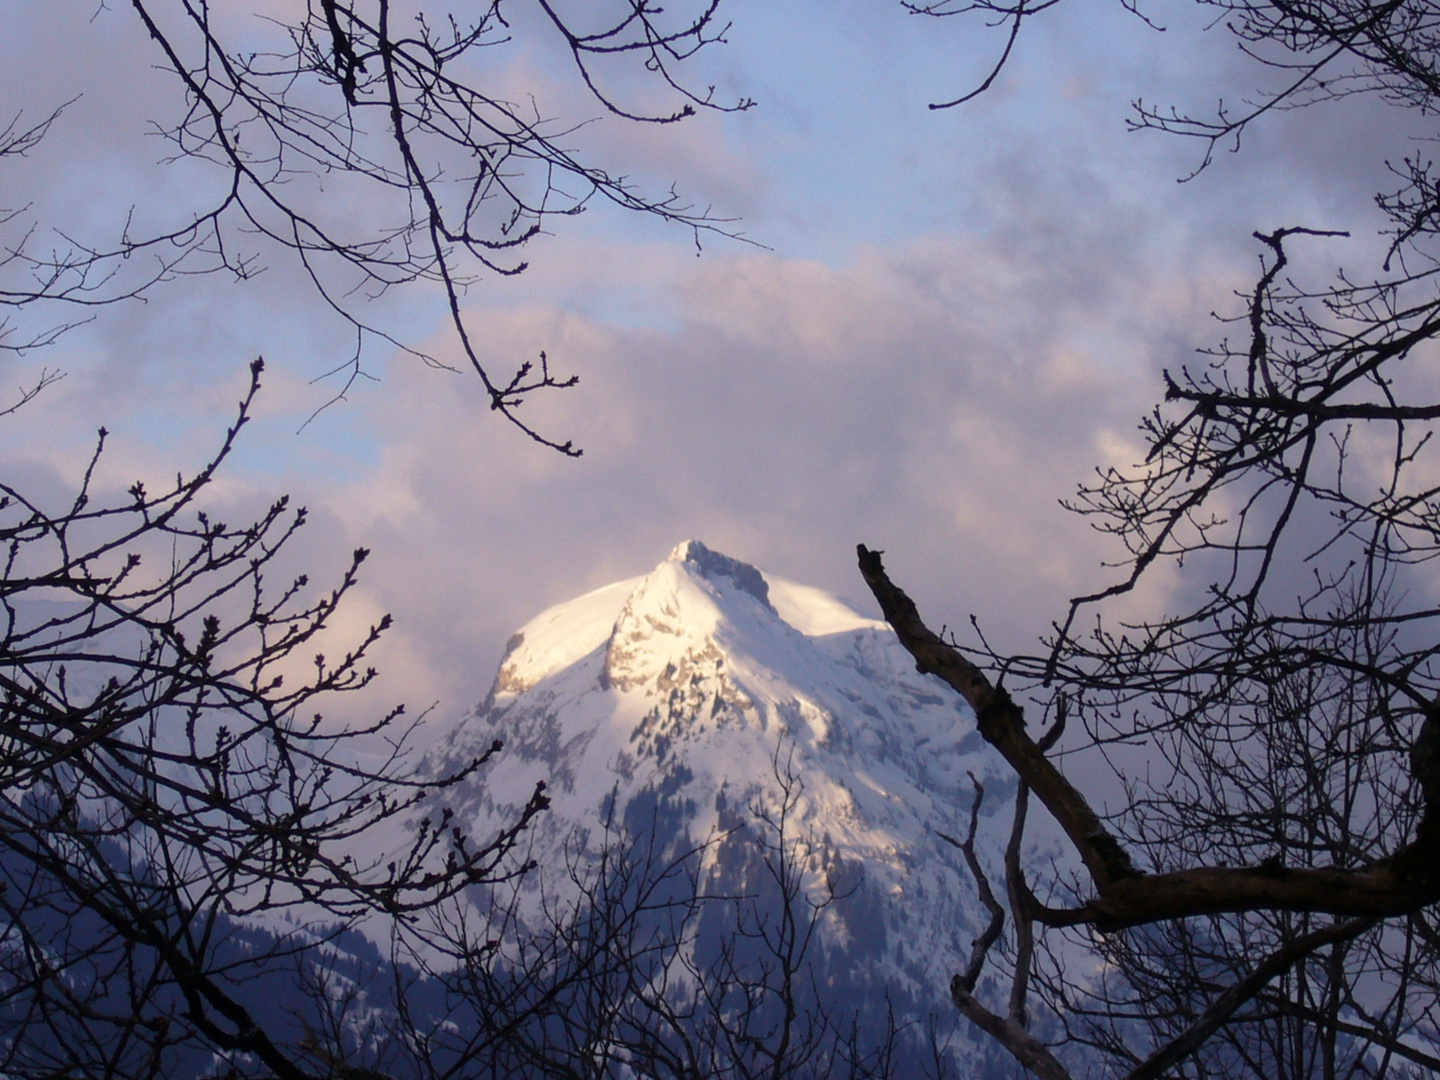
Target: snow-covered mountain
677,701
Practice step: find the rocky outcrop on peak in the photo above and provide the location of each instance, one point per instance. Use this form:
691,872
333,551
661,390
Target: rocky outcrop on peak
712,566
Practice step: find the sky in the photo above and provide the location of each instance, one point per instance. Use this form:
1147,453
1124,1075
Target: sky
932,327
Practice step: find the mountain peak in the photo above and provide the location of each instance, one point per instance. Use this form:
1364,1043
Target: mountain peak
694,594
712,565
690,610
668,704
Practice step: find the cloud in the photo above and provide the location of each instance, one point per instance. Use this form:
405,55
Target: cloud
964,312
935,401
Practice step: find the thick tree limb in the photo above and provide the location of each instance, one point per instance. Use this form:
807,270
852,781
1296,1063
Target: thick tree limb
1027,1049
1002,725
1398,885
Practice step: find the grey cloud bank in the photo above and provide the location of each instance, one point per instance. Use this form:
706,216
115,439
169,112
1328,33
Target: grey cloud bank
794,411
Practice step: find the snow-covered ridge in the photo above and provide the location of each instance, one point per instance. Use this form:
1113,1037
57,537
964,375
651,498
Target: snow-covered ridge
560,636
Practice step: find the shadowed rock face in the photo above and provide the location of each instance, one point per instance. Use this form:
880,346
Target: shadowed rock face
712,565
